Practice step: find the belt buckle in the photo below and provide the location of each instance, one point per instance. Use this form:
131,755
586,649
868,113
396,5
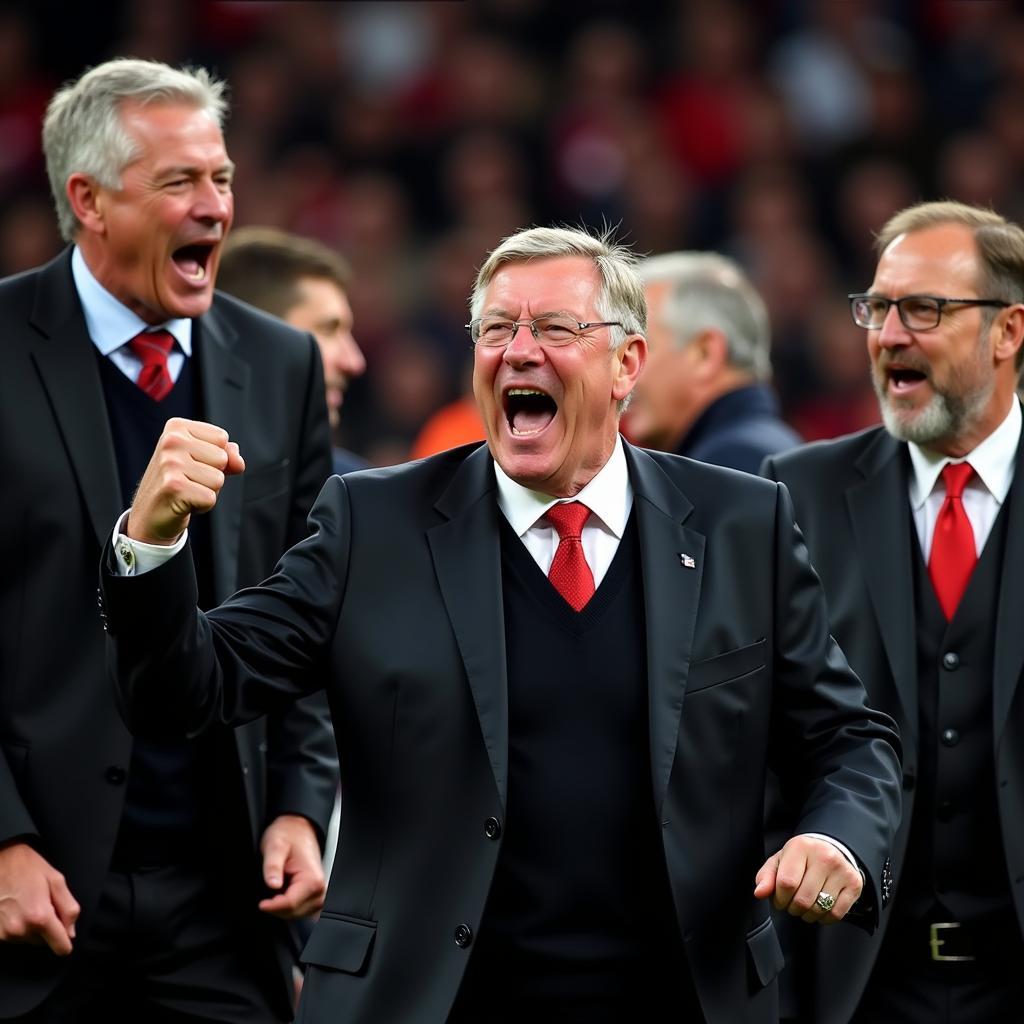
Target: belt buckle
935,942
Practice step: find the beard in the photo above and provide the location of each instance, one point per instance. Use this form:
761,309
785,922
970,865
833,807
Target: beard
953,410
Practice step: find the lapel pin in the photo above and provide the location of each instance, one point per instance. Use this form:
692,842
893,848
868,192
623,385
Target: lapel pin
687,561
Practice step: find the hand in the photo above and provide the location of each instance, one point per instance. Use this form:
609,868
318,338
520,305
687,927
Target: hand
35,903
805,866
185,475
291,853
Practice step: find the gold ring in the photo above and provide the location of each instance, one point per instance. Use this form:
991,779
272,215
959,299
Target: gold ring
825,901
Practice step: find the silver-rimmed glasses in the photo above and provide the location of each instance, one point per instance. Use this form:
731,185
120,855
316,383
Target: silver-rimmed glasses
553,329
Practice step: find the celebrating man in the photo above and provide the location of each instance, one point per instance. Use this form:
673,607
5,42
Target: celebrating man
559,667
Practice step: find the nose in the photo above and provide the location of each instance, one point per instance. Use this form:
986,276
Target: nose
523,348
351,360
892,333
213,203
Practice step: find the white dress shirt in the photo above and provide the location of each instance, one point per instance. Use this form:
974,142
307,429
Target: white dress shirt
992,460
609,496
111,324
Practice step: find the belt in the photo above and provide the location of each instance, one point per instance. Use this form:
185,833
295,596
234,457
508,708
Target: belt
943,935
948,944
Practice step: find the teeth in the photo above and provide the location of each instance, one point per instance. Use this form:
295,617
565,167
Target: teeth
200,273
524,433
524,391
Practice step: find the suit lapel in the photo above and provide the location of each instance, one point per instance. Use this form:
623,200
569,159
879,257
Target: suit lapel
671,597
225,383
65,359
1008,660
467,559
879,512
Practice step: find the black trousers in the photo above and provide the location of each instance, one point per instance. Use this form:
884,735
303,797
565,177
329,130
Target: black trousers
164,948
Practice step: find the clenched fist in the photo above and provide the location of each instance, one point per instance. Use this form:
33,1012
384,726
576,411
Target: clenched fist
188,468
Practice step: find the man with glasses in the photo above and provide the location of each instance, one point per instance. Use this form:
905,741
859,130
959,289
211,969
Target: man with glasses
910,527
559,666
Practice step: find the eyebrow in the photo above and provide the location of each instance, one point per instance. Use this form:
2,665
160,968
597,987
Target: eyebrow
191,171
536,316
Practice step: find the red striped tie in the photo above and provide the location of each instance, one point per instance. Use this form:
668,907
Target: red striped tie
153,347
569,573
953,555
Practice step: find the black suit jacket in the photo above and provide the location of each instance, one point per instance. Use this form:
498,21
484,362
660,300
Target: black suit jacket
401,589
64,746
851,500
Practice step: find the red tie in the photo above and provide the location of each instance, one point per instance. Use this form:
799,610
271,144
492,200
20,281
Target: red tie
153,347
569,573
953,555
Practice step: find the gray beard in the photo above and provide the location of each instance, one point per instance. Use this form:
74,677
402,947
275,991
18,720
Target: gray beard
945,416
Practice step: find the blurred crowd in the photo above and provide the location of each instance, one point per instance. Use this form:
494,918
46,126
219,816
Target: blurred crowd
412,137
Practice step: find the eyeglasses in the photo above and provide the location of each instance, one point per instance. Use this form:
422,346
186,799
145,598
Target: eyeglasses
917,312
555,329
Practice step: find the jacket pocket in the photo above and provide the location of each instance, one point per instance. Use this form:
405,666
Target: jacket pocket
765,951
340,943
724,667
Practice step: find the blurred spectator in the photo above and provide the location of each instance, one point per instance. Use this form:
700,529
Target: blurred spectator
704,392
305,284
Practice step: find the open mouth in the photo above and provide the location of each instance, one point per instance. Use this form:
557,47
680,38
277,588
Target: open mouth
903,378
528,410
192,260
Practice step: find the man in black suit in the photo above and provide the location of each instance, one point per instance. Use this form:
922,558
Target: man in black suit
917,530
706,391
144,881
306,284
559,666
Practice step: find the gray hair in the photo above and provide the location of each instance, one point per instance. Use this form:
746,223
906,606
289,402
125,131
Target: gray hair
622,295
710,291
83,132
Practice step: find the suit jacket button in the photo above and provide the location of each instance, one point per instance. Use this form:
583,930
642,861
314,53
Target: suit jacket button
115,775
492,828
463,936
951,661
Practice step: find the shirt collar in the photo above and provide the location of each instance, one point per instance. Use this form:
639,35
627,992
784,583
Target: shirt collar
609,495
993,460
109,322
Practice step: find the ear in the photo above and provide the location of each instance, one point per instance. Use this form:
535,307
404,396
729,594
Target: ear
1009,336
711,351
631,355
86,198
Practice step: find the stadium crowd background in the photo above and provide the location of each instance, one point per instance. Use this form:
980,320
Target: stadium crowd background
414,136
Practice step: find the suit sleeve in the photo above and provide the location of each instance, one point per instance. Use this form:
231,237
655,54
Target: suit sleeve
302,761
837,759
15,820
179,671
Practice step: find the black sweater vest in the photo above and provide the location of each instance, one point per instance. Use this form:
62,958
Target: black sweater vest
164,801
580,913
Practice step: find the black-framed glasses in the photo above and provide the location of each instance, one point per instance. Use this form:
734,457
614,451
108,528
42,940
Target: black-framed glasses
554,329
917,312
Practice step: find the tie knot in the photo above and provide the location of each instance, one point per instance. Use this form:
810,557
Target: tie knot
568,518
955,475
152,347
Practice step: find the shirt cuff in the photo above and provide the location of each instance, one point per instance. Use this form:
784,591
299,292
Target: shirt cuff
134,557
